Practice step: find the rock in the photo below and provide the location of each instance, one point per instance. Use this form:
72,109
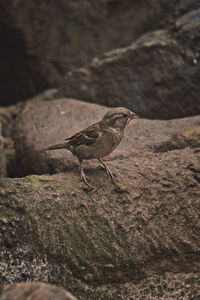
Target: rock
139,235
44,52
45,40
187,138
169,286
47,122
157,76
7,117
3,170
42,123
33,291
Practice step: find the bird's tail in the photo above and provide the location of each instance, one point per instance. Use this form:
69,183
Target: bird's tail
57,146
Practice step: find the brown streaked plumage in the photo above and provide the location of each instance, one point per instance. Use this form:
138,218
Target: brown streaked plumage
98,140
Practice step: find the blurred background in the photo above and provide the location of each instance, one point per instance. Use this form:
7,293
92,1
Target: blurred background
42,41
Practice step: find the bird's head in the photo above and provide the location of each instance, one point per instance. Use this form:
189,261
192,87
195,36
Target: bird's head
118,117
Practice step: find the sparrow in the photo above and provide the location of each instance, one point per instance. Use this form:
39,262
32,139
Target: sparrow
98,140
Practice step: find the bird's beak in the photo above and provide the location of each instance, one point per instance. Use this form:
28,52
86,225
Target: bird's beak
133,116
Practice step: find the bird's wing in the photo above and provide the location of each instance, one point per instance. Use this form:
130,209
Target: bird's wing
87,136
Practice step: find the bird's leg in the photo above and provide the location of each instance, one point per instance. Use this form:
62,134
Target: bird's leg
82,174
108,171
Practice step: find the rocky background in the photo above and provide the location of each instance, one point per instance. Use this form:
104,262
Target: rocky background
63,63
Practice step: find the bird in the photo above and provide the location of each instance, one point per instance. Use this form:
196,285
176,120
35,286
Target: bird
98,140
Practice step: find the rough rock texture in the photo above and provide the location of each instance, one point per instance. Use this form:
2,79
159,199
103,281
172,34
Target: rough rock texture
8,154
135,239
42,123
55,229
189,137
43,40
33,291
2,155
168,286
157,76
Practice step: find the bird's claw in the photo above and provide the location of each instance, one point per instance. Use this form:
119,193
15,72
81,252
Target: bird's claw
84,177
110,174
105,168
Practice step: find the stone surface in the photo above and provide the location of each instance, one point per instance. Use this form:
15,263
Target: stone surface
186,138
33,291
140,232
168,286
8,154
3,170
157,76
42,123
42,41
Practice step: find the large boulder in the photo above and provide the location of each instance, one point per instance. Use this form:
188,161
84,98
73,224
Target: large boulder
42,41
137,236
157,76
33,291
134,238
42,123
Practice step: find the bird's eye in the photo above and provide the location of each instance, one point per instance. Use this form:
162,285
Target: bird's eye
124,116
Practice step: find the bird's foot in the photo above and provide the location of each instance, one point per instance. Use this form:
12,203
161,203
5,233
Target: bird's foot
108,171
84,177
110,174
